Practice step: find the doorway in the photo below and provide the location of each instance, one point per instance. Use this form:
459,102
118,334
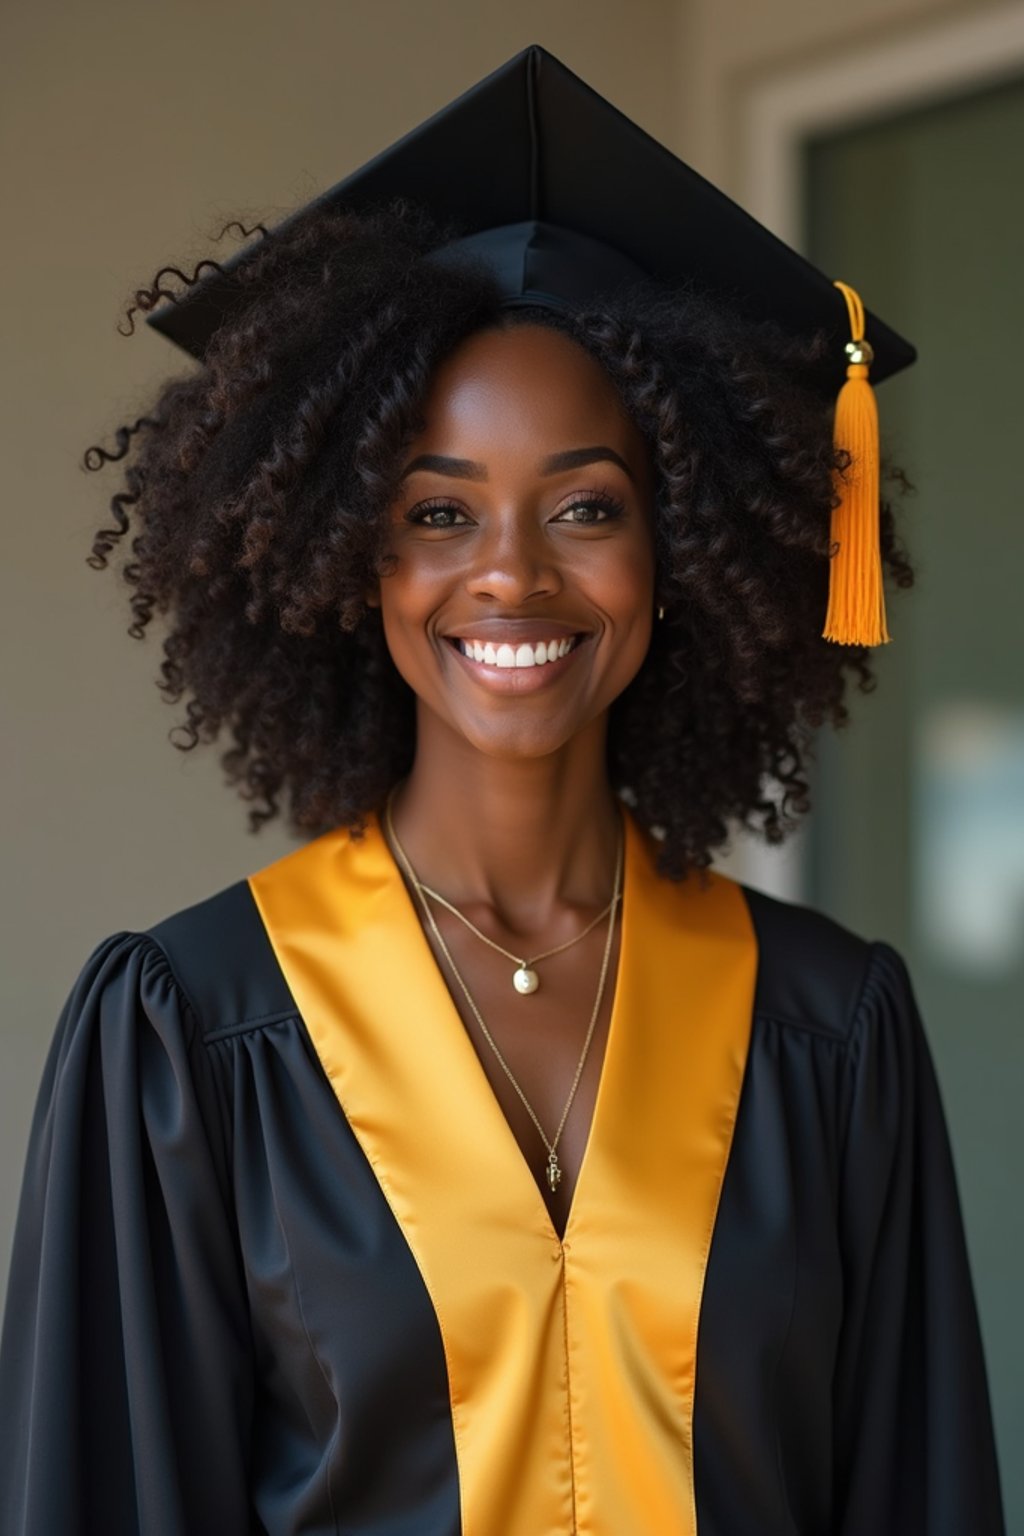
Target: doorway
918,830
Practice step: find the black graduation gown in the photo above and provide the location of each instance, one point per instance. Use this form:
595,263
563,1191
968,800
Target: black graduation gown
249,1296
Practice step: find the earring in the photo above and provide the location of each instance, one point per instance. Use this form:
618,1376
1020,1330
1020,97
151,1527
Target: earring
661,610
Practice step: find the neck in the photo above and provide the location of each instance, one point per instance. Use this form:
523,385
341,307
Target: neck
523,835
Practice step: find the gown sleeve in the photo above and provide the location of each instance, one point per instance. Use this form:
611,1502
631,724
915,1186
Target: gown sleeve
125,1393
914,1453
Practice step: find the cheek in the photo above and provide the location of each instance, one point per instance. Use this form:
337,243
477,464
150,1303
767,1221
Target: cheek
628,599
409,598
627,582
411,590
402,614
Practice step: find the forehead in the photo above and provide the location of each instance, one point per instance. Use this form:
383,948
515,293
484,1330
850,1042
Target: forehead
502,387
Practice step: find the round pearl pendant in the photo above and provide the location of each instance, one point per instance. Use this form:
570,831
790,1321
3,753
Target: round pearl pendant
525,981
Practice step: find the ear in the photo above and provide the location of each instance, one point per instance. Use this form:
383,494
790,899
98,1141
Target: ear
372,598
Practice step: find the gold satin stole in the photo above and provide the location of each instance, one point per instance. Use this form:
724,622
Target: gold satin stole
571,1364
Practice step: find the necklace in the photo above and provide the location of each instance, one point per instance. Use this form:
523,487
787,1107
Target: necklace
524,977
553,1173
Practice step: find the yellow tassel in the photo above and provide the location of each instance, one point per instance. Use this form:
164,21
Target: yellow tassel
856,603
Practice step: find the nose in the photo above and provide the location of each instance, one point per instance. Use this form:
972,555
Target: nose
513,562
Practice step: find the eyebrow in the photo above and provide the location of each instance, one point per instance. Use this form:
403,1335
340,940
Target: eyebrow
469,469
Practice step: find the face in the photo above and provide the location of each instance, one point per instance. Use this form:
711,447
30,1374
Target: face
519,602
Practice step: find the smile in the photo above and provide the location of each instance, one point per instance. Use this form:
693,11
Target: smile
518,666
534,654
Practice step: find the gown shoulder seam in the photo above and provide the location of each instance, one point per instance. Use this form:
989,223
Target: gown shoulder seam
219,954
195,1017
807,1026
880,956
244,1026
222,1031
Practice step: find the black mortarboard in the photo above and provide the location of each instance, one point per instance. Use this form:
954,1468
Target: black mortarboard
566,199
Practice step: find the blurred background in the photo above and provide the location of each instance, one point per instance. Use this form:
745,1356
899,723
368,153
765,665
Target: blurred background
886,139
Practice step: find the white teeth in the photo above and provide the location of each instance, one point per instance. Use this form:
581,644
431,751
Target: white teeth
537,654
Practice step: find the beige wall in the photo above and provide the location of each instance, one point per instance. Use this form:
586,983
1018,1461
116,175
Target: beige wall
128,130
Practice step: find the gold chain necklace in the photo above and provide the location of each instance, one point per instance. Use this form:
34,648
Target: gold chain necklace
524,978
553,1172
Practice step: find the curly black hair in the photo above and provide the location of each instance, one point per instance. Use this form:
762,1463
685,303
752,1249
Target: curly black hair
255,490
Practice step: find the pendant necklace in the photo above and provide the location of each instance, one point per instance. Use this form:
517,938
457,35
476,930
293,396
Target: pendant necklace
553,1172
524,977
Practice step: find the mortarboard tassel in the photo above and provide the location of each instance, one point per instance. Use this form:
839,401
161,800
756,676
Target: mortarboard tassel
856,603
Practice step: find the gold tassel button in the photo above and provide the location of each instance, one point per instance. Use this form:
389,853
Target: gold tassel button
856,602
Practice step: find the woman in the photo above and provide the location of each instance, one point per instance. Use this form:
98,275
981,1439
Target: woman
488,1165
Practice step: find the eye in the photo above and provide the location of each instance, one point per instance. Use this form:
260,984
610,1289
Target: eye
437,514
585,510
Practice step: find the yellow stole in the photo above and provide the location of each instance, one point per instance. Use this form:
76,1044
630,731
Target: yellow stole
571,1365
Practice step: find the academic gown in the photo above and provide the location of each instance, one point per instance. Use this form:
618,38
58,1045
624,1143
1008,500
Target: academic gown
280,1265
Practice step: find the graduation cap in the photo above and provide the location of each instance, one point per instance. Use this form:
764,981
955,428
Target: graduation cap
567,200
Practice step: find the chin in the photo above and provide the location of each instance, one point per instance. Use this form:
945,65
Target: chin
519,741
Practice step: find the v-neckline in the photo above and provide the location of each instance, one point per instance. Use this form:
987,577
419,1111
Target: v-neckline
454,1022
566,1358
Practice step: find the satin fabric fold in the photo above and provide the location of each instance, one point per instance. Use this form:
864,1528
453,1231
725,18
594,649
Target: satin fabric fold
571,1364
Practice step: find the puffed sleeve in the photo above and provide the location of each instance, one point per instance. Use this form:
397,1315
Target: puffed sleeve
125,1392
914,1452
